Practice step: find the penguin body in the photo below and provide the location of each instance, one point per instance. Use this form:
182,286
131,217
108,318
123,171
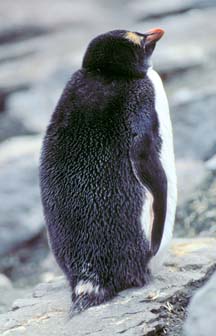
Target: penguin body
100,159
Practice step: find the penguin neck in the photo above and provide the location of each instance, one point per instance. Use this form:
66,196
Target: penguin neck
120,71
127,74
111,70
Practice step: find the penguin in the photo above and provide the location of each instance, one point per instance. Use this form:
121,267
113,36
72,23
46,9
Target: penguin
107,171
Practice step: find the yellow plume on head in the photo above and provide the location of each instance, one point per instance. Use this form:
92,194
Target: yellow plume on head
133,37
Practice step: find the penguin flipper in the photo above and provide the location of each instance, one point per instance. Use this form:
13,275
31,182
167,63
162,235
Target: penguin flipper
149,171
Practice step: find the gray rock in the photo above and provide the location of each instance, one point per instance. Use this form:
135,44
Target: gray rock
39,102
189,76
49,269
8,294
59,29
190,173
5,282
149,10
170,58
21,215
211,163
61,15
58,38
39,48
201,319
192,105
194,127
133,312
11,126
197,215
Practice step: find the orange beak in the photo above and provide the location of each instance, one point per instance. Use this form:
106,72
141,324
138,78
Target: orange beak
153,35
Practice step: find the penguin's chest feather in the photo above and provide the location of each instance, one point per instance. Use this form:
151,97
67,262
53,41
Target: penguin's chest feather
167,161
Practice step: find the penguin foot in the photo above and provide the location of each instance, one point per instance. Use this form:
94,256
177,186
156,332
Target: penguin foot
85,300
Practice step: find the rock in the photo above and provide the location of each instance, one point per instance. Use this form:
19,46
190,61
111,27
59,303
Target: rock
156,307
21,215
61,15
40,49
5,282
170,58
48,41
3,98
189,76
156,10
194,133
192,102
201,312
49,269
40,35
190,174
11,126
8,293
40,102
211,163
7,297
197,215
37,59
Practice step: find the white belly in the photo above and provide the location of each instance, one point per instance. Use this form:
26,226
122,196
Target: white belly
168,163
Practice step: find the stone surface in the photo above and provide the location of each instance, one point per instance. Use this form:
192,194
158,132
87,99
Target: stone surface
5,282
7,297
186,60
40,102
197,216
194,134
201,319
21,216
211,163
11,126
190,174
8,293
56,39
157,9
132,312
171,58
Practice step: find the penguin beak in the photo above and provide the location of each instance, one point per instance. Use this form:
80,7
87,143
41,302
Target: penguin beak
153,35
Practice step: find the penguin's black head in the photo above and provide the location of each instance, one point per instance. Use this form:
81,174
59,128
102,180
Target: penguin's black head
121,53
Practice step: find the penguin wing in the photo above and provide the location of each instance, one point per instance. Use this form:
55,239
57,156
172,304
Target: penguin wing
149,171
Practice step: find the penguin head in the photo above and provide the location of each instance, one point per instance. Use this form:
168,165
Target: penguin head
121,53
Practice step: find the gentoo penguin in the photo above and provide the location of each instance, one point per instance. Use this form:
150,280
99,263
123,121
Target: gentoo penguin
107,172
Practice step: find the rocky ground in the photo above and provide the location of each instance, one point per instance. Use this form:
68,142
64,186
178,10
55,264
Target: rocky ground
158,309
41,44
